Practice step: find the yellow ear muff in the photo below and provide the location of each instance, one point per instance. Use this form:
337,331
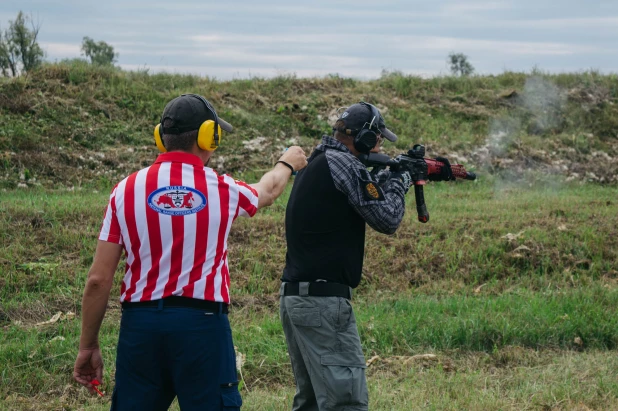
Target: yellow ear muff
206,136
158,140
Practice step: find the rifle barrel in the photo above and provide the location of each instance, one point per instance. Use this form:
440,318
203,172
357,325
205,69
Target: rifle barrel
460,172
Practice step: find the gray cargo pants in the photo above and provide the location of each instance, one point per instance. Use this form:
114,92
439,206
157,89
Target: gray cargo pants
325,351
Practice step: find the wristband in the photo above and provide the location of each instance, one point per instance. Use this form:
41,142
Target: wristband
288,165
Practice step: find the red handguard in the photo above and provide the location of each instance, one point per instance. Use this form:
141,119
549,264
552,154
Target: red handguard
435,167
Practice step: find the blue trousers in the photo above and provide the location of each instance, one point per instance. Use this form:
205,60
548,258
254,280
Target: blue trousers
167,352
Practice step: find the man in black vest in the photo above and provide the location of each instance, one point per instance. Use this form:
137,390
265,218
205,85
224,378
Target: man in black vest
332,199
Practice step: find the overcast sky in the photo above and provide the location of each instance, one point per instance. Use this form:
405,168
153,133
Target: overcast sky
241,39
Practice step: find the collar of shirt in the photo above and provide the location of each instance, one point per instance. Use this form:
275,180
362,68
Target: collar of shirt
329,142
180,157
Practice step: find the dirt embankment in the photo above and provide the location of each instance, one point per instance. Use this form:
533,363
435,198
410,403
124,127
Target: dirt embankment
68,128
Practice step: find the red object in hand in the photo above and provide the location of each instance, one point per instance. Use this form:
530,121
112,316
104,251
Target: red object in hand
95,383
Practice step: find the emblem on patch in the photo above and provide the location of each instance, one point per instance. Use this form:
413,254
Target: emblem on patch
372,191
176,200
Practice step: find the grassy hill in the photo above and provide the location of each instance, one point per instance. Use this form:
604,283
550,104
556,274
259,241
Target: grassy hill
74,124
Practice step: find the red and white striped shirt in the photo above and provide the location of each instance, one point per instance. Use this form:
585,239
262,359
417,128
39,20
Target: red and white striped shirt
173,219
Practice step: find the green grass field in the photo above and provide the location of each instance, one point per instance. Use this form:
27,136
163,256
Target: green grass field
510,327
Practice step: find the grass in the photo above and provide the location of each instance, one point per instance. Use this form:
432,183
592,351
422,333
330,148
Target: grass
540,380
546,380
510,329
408,325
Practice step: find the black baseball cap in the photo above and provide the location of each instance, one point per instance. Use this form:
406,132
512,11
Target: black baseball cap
357,115
188,112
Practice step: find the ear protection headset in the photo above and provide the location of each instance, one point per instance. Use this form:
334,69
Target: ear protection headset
208,135
367,137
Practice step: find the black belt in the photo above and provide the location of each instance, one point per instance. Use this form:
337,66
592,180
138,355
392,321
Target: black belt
174,301
320,289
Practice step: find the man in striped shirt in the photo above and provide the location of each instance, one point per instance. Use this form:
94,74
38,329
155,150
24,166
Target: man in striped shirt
172,220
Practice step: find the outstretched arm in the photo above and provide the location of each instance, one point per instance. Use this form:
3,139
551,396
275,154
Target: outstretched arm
272,184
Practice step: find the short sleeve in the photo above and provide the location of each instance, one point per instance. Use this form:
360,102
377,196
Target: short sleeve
247,199
110,230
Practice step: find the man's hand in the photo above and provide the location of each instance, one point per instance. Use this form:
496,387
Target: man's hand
446,173
294,156
88,366
271,184
404,177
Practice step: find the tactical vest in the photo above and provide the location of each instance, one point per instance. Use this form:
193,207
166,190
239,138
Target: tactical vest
325,235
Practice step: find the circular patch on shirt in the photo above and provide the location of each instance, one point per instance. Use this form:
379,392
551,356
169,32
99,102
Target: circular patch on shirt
176,200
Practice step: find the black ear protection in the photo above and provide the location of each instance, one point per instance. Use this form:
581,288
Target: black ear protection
367,137
208,135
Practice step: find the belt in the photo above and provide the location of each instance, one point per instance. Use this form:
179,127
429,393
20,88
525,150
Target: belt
175,301
319,289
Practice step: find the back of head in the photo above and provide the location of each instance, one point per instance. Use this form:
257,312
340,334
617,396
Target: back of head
360,126
188,120
178,142
362,116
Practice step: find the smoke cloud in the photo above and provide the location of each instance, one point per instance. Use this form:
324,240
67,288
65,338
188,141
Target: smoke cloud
537,110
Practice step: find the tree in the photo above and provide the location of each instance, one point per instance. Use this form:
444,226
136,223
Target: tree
6,58
19,49
99,53
460,66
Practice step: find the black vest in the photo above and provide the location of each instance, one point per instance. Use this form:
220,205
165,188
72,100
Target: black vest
325,235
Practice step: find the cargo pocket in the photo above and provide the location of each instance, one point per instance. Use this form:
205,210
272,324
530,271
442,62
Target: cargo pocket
344,378
306,317
230,397
345,314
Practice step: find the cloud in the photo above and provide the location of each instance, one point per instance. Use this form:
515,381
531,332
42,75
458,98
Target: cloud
410,43
446,44
232,42
566,23
296,60
61,50
471,6
228,72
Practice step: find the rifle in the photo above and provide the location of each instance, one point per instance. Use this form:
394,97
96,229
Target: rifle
420,169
